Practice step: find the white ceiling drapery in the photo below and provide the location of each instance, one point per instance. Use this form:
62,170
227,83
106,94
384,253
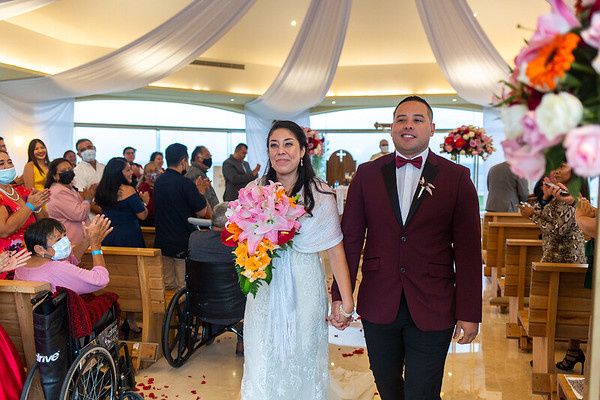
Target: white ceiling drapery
468,59
12,8
157,54
305,76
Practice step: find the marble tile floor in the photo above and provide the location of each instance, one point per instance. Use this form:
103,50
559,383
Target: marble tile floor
491,368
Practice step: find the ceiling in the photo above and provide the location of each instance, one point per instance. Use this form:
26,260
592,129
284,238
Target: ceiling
385,54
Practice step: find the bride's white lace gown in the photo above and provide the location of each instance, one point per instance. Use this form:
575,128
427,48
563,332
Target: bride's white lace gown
303,372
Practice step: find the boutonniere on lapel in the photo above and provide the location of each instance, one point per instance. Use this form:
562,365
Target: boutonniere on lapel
425,186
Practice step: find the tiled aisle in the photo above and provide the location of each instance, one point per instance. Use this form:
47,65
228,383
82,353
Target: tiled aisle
491,368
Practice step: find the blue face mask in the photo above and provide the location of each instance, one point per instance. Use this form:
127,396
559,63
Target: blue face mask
62,249
7,175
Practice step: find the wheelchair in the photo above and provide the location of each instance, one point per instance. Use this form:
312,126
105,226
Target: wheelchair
100,367
210,305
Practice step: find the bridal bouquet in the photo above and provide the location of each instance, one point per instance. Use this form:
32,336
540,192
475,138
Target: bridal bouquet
468,140
262,221
316,142
551,102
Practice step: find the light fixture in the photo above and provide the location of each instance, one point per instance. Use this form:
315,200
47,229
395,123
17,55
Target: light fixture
231,99
475,15
293,23
333,101
454,100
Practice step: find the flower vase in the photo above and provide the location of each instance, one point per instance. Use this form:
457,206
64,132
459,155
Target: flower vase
318,165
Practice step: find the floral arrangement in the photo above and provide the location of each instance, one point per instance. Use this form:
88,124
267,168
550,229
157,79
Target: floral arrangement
262,221
551,100
316,142
468,140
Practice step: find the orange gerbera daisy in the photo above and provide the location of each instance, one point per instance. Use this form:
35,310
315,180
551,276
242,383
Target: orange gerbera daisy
553,61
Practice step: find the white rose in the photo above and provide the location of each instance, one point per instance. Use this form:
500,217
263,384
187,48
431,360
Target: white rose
511,117
465,136
558,113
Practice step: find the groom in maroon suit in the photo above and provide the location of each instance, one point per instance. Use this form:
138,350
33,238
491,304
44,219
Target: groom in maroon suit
421,268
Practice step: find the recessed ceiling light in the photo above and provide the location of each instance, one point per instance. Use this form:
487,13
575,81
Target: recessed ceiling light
475,15
454,100
293,23
333,101
231,99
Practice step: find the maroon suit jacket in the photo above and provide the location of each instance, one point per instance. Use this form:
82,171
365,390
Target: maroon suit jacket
434,258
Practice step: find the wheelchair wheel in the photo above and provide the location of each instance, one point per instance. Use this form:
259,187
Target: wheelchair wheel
32,387
93,375
181,331
126,373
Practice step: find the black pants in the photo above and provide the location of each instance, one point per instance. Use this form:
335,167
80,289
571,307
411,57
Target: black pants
402,347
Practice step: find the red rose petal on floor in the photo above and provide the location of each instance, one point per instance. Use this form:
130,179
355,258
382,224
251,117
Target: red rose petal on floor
150,380
152,395
166,386
140,384
203,376
194,392
359,351
148,387
203,383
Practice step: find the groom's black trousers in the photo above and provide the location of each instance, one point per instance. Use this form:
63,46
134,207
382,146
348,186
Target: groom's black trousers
402,347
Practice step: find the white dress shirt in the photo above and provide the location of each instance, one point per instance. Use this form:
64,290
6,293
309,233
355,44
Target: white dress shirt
86,175
407,180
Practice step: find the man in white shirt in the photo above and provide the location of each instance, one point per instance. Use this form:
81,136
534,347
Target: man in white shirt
89,171
384,146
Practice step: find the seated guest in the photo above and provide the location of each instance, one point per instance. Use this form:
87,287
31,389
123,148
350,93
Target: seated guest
201,162
226,299
19,208
158,159
176,198
70,207
71,157
151,173
34,173
121,204
54,261
562,240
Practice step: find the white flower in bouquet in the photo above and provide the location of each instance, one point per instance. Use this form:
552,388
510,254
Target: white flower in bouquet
558,113
511,117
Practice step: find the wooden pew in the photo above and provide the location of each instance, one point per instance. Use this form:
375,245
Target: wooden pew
495,217
149,233
498,233
519,255
559,308
136,275
16,315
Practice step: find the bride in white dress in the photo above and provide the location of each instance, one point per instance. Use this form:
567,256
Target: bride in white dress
285,326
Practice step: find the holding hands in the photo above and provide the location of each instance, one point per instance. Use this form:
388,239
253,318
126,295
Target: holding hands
341,315
10,260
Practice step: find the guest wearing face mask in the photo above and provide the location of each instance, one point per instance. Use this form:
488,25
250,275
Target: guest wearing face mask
121,204
384,148
19,207
151,173
68,206
89,171
201,162
55,261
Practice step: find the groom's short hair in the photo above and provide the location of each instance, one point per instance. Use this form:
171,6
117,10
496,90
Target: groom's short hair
418,100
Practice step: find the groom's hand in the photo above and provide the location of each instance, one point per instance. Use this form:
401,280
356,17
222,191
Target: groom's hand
336,319
469,330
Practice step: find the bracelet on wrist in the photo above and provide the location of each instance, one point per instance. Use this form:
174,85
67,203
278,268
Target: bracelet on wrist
30,206
344,313
96,252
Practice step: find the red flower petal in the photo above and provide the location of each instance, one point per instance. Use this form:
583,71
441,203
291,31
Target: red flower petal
203,383
227,238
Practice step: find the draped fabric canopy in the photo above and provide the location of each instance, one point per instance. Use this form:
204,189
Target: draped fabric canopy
12,8
466,56
305,77
153,56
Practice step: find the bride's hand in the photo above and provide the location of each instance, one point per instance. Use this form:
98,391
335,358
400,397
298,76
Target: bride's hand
336,318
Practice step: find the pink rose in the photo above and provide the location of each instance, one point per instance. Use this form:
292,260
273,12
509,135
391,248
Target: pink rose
524,161
592,35
532,135
583,150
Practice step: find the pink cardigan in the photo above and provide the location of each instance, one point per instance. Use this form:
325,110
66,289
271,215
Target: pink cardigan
66,206
66,274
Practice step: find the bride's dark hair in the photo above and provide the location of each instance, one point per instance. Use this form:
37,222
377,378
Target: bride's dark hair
306,175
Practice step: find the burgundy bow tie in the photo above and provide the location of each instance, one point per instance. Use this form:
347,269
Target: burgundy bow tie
401,162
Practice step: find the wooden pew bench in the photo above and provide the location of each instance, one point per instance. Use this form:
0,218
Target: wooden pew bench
149,233
136,275
519,255
559,308
16,315
498,233
495,217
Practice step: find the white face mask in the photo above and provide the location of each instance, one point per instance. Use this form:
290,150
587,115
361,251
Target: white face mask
62,249
88,155
384,149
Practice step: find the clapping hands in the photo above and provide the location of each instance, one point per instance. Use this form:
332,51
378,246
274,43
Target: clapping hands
10,260
336,318
98,229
